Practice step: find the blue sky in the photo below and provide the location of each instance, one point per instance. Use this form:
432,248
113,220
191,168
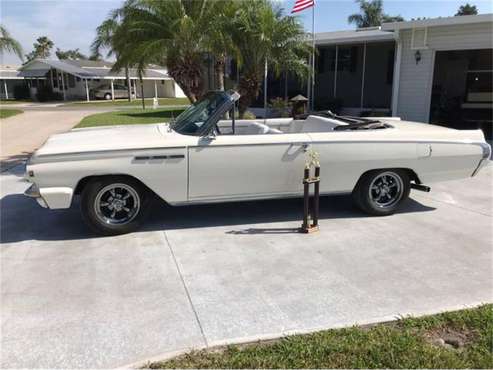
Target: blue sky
71,23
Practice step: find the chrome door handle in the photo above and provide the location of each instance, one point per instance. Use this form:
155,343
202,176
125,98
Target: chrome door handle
305,146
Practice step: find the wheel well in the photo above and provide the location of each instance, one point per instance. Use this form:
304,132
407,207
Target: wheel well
413,176
84,181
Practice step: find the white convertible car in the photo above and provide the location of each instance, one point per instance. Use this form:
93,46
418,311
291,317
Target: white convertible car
200,158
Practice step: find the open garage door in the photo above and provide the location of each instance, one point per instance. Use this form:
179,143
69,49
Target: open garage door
462,95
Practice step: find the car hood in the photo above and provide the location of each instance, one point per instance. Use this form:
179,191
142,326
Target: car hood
111,138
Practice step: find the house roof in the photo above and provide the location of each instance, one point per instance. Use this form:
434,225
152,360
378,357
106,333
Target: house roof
9,72
88,69
370,34
443,21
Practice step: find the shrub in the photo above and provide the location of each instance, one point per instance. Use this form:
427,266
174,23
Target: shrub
280,107
246,115
249,115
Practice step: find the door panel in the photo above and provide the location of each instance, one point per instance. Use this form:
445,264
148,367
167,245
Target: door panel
247,166
344,157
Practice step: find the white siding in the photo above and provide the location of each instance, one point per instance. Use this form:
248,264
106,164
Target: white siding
416,79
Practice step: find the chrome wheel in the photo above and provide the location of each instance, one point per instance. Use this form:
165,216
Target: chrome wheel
117,204
386,189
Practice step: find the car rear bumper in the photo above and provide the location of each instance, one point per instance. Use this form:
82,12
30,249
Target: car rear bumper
53,198
485,158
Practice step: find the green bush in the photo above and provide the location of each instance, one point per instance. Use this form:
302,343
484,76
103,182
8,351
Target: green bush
280,107
249,115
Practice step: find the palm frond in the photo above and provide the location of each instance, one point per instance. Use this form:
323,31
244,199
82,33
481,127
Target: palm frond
9,44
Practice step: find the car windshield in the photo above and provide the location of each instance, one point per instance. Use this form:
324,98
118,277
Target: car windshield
195,116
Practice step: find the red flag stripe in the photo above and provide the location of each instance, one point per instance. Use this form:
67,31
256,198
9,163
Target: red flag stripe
302,5
302,2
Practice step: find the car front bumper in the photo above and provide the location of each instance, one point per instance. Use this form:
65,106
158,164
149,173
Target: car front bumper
33,192
53,198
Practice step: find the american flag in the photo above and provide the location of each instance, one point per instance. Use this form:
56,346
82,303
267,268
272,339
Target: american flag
300,5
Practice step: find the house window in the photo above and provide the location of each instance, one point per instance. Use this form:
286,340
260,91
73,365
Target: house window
390,66
326,59
55,78
347,58
71,81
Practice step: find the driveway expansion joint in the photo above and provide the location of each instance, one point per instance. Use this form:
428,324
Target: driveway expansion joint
186,290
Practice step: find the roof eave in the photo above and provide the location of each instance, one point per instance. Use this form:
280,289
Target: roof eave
355,40
436,22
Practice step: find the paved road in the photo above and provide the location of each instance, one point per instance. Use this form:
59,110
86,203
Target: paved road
205,275
22,134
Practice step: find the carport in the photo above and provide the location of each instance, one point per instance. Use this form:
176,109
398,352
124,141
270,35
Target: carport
75,79
9,80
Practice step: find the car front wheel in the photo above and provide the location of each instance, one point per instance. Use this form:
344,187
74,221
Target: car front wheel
114,205
381,192
107,96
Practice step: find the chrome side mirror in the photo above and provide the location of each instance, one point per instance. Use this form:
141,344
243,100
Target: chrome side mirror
211,135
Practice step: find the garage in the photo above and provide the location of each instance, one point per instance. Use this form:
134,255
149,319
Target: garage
462,93
443,71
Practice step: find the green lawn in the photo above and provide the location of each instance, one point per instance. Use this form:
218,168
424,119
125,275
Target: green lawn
137,102
461,339
130,117
14,101
6,113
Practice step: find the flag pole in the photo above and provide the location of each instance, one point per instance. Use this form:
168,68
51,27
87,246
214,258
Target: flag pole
313,59
265,91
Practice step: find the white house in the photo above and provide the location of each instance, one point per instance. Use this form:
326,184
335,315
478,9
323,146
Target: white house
74,79
435,54
433,70
9,80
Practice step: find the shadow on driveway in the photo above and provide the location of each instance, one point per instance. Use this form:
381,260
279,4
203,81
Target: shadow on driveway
22,218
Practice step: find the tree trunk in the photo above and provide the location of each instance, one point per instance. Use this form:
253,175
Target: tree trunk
188,74
129,88
219,67
249,88
142,92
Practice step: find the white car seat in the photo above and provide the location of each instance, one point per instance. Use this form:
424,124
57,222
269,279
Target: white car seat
315,124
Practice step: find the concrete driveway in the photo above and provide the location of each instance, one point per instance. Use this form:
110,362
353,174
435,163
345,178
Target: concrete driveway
22,134
206,275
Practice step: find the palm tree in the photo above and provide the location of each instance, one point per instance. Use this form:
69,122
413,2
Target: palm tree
219,41
41,49
9,44
105,39
173,33
263,35
372,14
71,54
467,10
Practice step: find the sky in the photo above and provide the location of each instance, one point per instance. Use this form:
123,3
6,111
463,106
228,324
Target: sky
71,24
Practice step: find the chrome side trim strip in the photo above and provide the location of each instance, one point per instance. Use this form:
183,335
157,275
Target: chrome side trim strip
331,142
108,151
154,157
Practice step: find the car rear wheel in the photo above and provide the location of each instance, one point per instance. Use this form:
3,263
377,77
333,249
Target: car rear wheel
114,205
107,96
381,192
